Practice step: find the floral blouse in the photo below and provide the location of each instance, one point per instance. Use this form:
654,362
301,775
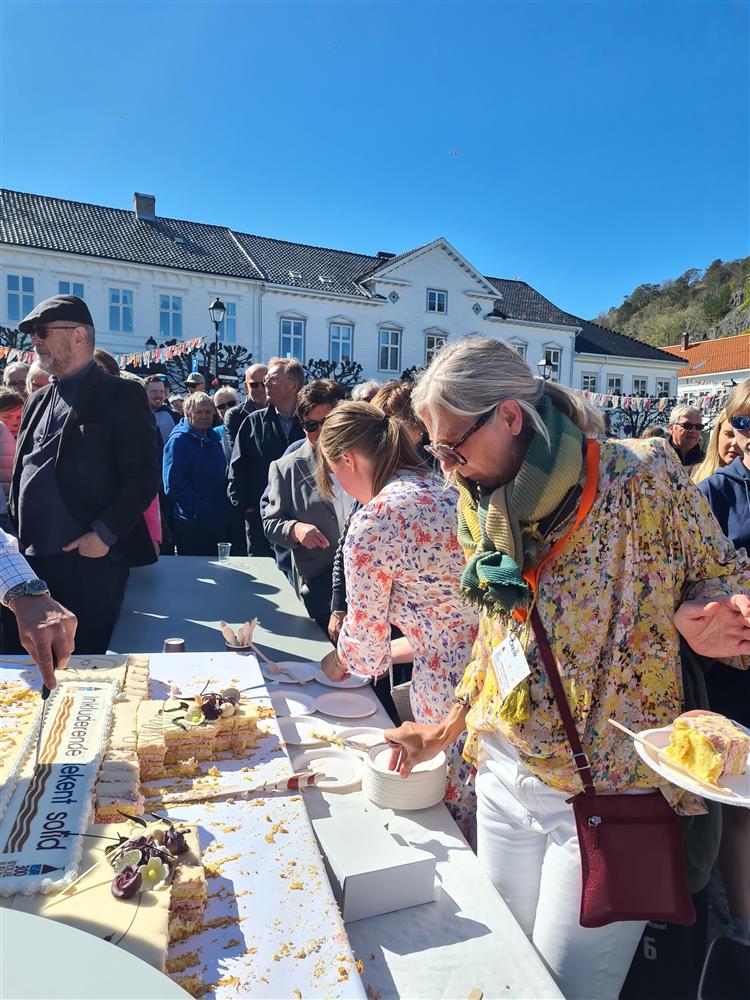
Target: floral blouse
607,602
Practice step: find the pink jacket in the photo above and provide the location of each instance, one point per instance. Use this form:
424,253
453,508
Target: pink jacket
152,517
7,454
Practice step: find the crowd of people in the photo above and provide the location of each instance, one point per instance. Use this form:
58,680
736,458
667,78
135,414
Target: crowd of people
424,526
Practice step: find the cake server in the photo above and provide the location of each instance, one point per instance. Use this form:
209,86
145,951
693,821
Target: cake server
45,695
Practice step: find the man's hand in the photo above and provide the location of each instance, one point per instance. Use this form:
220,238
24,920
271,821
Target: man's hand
334,626
308,536
719,628
89,545
413,743
44,626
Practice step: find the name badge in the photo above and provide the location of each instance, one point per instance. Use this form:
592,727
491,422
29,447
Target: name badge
510,664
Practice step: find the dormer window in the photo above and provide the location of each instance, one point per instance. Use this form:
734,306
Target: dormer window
295,275
325,279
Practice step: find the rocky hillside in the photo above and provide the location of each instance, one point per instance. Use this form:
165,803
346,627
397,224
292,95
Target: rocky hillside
708,304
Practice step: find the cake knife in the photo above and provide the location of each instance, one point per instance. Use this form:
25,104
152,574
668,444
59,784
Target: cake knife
45,695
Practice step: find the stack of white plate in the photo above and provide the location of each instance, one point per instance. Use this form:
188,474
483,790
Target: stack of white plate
424,787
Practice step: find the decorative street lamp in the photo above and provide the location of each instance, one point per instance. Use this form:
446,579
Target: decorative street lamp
545,369
150,343
216,311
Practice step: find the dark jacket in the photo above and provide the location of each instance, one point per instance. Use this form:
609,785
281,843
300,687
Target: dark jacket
260,441
728,493
694,457
193,471
233,421
107,461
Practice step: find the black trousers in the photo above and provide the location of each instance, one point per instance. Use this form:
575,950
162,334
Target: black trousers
91,588
199,537
257,543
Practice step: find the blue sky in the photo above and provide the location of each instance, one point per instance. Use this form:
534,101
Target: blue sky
583,147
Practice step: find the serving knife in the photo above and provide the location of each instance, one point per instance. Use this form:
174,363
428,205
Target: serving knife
45,696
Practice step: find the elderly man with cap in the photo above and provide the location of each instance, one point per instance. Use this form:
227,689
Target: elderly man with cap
195,383
86,469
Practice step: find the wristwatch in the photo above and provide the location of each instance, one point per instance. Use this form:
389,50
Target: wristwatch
29,588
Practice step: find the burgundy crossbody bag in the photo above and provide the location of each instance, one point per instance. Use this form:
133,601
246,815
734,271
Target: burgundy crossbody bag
632,852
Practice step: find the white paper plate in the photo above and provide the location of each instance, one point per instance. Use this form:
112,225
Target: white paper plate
739,785
424,787
368,735
292,704
352,681
291,672
344,705
342,769
297,730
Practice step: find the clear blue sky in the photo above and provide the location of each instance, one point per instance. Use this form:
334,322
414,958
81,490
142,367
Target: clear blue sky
584,147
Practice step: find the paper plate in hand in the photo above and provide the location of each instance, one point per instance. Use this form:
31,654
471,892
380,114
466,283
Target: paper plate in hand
292,704
340,771
739,785
300,730
290,672
345,705
352,681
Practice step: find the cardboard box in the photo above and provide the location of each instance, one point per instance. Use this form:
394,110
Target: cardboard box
370,871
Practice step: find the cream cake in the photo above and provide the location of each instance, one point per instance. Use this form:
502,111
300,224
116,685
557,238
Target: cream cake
20,715
118,788
709,746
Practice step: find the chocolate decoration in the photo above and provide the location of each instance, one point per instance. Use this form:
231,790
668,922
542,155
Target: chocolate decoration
127,883
174,841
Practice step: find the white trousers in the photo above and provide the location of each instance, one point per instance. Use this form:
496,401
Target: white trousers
527,844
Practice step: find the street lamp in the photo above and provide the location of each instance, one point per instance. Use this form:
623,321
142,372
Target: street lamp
216,311
545,369
150,343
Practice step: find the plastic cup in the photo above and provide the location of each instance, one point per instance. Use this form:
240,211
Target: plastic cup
224,548
173,646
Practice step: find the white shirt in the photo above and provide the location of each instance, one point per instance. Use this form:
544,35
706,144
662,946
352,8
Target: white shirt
13,567
342,503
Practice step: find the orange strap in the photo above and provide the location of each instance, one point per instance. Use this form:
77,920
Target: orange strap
531,575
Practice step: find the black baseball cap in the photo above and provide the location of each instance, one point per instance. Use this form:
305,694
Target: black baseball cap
60,308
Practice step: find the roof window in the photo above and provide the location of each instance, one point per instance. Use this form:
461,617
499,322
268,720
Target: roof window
325,279
295,275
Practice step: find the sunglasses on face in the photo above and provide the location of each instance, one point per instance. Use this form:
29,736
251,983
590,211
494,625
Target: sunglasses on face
254,385
42,332
740,423
449,453
687,426
310,426
225,406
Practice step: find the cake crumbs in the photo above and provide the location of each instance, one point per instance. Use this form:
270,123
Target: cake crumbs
298,994
214,772
360,966
231,829
277,827
182,962
297,885
372,994
221,922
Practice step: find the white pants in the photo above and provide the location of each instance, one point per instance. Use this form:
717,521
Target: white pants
528,846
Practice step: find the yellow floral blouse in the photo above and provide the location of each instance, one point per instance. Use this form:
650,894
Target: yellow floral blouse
607,601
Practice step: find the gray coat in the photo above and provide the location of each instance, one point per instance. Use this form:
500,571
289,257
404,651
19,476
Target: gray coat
294,495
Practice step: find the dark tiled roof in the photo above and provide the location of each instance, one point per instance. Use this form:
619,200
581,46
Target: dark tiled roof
32,220
520,301
595,339
381,263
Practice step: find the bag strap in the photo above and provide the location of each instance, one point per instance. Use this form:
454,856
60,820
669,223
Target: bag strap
580,760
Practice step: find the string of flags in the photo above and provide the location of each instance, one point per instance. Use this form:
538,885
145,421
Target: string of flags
658,403
158,355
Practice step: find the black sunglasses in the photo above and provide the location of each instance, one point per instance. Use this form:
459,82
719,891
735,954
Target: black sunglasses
310,426
42,332
740,423
225,406
688,426
255,385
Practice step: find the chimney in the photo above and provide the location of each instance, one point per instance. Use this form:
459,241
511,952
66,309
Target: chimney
385,255
144,206
685,340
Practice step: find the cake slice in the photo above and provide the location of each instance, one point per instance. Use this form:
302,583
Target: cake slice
709,746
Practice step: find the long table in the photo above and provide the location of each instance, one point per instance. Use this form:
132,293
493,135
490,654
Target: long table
467,937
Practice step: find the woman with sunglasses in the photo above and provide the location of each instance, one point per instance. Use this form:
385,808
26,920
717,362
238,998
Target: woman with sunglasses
728,493
721,450
610,547
401,562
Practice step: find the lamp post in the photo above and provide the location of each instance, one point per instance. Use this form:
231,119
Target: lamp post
545,369
216,311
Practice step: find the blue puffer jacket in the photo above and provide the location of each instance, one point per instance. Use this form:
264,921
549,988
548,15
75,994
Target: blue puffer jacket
194,470
728,493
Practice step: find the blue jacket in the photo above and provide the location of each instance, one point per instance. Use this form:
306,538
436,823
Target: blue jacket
194,470
728,493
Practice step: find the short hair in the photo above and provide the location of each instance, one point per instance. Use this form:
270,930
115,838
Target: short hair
34,369
653,432
224,389
317,393
132,377
364,392
292,369
682,411
15,366
10,400
107,361
193,400
394,399
150,379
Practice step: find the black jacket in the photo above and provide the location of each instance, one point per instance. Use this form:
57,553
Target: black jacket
107,461
693,457
260,441
233,421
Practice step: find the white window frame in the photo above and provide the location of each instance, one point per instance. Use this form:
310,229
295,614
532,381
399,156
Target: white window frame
590,375
644,389
611,390
72,285
172,313
392,330
26,298
121,308
338,325
437,292
664,391
431,347
521,347
293,336
228,326
550,350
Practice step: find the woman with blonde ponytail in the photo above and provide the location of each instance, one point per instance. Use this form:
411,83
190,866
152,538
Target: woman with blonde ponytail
401,561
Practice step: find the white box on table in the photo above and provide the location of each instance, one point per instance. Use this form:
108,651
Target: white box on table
371,872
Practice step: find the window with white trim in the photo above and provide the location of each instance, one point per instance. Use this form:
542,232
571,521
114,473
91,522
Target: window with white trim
434,342
520,347
340,337
20,292
663,386
70,288
120,310
170,317
389,353
614,385
228,326
590,382
640,386
292,338
437,301
552,357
